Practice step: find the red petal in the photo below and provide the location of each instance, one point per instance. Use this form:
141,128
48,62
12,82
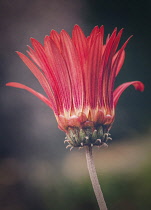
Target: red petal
55,37
41,56
115,45
119,58
48,71
92,36
74,68
115,69
105,72
39,95
107,39
80,42
93,70
38,74
121,61
33,55
119,90
60,72
39,49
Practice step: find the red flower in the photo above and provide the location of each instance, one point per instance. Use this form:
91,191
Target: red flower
78,77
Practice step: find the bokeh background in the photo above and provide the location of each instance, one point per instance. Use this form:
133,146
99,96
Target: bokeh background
36,171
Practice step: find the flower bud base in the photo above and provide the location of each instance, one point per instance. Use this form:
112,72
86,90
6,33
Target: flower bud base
87,136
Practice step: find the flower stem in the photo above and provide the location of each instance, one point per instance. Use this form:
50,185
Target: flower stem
94,179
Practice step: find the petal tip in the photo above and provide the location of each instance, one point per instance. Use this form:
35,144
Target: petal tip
12,84
139,86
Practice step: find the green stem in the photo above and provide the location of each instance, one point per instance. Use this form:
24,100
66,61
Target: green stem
94,179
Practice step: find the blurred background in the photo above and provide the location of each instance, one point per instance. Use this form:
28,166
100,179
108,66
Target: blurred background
36,171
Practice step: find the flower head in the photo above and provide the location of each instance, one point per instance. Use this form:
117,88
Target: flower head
78,75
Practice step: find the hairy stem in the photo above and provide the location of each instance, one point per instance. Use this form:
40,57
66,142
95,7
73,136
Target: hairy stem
94,179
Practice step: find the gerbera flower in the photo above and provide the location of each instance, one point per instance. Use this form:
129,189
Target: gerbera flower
78,75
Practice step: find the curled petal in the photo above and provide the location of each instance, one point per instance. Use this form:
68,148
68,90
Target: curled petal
39,95
119,90
39,75
115,70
